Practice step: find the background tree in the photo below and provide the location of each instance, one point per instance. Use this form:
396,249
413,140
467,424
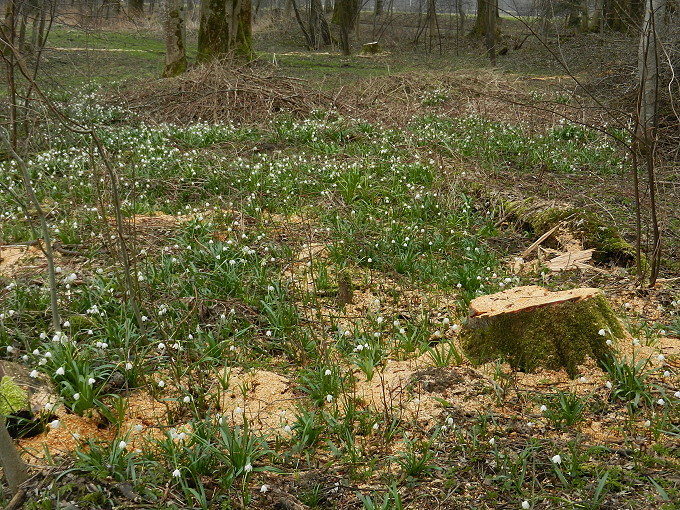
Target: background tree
225,29
175,39
345,15
136,7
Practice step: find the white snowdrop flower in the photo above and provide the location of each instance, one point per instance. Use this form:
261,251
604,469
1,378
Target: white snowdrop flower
455,327
437,334
525,505
60,371
608,342
556,459
270,288
176,473
139,427
661,402
76,396
582,379
530,424
182,436
144,318
100,270
287,429
492,441
232,348
36,352
268,332
187,399
661,357
161,346
264,488
24,358
543,408
91,381
609,385
48,406
327,372
161,383
416,401
140,277
10,349
57,269
329,398
443,428
636,341
376,426
175,346
402,331
48,354
122,445
446,321
449,421
648,423
347,332
54,424
238,410
42,362
602,332
396,324
666,373
662,332
370,260
90,332
34,374
128,366
248,468
677,394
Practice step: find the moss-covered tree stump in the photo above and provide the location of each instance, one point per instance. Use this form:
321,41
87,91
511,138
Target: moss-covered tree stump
531,327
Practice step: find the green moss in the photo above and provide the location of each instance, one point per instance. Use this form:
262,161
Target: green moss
608,244
552,337
13,398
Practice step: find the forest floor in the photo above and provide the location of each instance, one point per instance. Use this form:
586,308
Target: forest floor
256,200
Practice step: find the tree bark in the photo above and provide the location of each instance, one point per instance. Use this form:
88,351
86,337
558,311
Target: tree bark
175,39
318,25
483,6
225,29
345,15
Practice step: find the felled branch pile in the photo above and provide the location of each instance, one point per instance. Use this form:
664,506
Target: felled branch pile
221,92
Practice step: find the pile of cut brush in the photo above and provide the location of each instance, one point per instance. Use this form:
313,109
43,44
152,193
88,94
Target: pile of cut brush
225,92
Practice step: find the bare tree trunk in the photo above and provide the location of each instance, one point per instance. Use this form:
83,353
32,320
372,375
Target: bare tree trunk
175,39
491,13
379,6
345,15
648,73
319,31
225,28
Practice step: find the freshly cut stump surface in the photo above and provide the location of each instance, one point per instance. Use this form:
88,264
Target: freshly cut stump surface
532,327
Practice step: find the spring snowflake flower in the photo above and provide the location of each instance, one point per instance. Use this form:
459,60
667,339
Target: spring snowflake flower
609,385
636,341
661,402
238,410
76,396
54,424
492,441
187,399
556,459
582,379
91,381
122,445
60,371
34,374
264,488
329,398
327,372
661,357
602,332
176,473
525,505
128,366
287,429
648,424
248,468
543,408
161,383
608,342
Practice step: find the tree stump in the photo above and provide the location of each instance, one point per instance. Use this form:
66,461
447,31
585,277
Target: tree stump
372,48
532,327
